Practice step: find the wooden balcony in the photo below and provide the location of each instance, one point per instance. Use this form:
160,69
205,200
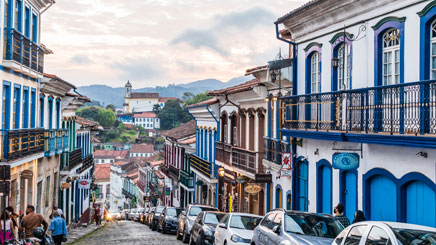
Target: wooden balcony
87,162
55,141
19,143
240,158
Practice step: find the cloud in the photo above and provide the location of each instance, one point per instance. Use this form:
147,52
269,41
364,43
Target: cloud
81,59
211,36
138,69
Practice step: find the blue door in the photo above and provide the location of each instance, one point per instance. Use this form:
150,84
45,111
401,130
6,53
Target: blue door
420,204
383,199
349,192
326,190
302,183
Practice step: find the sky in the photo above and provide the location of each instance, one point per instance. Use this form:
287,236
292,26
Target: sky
160,42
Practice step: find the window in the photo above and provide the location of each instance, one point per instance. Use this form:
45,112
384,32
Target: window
344,49
47,191
38,197
355,235
55,187
6,107
391,57
27,22
32,109
34,28
268,221
16,107
315,73
41,111
377,236
225,134
25,111
433,51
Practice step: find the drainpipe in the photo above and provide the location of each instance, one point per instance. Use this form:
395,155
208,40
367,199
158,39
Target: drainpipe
294,92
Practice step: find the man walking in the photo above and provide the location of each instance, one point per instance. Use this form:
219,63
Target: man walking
31,221
339,209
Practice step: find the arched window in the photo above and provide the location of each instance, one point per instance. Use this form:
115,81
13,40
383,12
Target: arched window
433,50
344,66
315,73
391,56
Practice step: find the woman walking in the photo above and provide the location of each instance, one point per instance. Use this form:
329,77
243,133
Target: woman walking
6,227
58,228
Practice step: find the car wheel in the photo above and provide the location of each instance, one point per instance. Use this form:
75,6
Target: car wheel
178,236
185,237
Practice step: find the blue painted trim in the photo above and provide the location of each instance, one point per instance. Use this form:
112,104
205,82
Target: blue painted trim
309,54
19,5
319,183
278,187
27,21
392,140
378,50
288,204
268,197
41,110
17,107
16,73
342,183
26,100
7,97
296,183
34,28
50,112
335,46
277,121
424,42
269,113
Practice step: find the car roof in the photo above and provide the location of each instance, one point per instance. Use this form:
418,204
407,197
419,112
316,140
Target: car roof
310,213
246,214
214,212
400,225
201,205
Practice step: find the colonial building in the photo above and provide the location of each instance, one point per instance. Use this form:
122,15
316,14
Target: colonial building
135,102
147,120
141,150
361,118
102,175
110,156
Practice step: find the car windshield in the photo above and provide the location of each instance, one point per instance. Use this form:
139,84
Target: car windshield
194,211
244,222
173,212
159,210
212,218
415,237
312,225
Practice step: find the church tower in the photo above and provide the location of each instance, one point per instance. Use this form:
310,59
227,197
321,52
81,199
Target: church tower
127,93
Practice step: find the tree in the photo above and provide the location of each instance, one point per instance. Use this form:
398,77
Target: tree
172,115
111,106
105,117
187,96
157,109
198,98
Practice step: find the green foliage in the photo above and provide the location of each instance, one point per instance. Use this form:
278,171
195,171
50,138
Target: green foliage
160,140
172,115
187,96
105,117
119,135
157,109
111,106
198,98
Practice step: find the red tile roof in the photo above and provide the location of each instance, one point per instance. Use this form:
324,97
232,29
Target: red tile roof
165,99
188,141
141,148
251,70
182,131
298,10
144,95
121,162
206,102
111,154
85,122
145,115
159,174
156,163
102,171
236,89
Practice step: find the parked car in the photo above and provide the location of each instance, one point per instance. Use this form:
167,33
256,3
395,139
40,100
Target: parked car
148,215
293,227
138,213
187,218
132,214
203,229
168,220
154,219
394,233
144,215
236,228
153,209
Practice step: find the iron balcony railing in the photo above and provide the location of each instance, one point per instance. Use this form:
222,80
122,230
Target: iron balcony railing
187,179
223,152
55,141
18,143
238,157
408,108
273,149
20,49
87,162
74,158
174,171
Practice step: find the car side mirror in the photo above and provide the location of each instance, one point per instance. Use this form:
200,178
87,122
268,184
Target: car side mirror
276,229
222,225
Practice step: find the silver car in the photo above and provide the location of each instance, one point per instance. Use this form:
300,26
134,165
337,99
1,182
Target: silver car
393,233
281,227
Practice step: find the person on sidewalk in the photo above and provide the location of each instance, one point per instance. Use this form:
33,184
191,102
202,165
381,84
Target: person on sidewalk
31,221
97,216
338,211
14,217
55,208
358,217
58,228
8,228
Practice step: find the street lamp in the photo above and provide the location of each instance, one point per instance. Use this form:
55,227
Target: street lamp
221,172
273,77
335,62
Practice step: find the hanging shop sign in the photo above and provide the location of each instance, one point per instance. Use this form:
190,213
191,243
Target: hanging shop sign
65,186
253,189
286,165
84,184
263,178
27,174
345,161
242,179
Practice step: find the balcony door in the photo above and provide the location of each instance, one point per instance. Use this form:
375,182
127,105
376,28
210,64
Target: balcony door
349,193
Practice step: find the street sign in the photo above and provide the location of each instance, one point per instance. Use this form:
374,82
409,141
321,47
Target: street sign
263,178
84,184
345,161
253,189
286,165
168,191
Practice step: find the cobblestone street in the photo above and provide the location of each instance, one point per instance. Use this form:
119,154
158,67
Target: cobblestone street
128,232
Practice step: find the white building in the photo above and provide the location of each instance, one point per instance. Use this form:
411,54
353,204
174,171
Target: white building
372,146
141,102
147,120
102,175
141,150
116,188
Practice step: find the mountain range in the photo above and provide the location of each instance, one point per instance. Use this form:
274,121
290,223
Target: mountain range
108,95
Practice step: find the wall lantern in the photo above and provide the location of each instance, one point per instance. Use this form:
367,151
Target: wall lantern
221,172
335,62
273,77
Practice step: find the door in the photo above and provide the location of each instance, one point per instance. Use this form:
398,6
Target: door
325,190
349,193
420,204
383,199
302,185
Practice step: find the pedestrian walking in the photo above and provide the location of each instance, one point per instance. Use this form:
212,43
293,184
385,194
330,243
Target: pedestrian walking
31,221
97,216
14,217
338,211
55,208
358,217
7,227
58,228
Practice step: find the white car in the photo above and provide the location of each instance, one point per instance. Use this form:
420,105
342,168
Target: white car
236,228
392,233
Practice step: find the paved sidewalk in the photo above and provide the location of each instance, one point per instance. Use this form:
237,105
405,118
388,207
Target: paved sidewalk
79,232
